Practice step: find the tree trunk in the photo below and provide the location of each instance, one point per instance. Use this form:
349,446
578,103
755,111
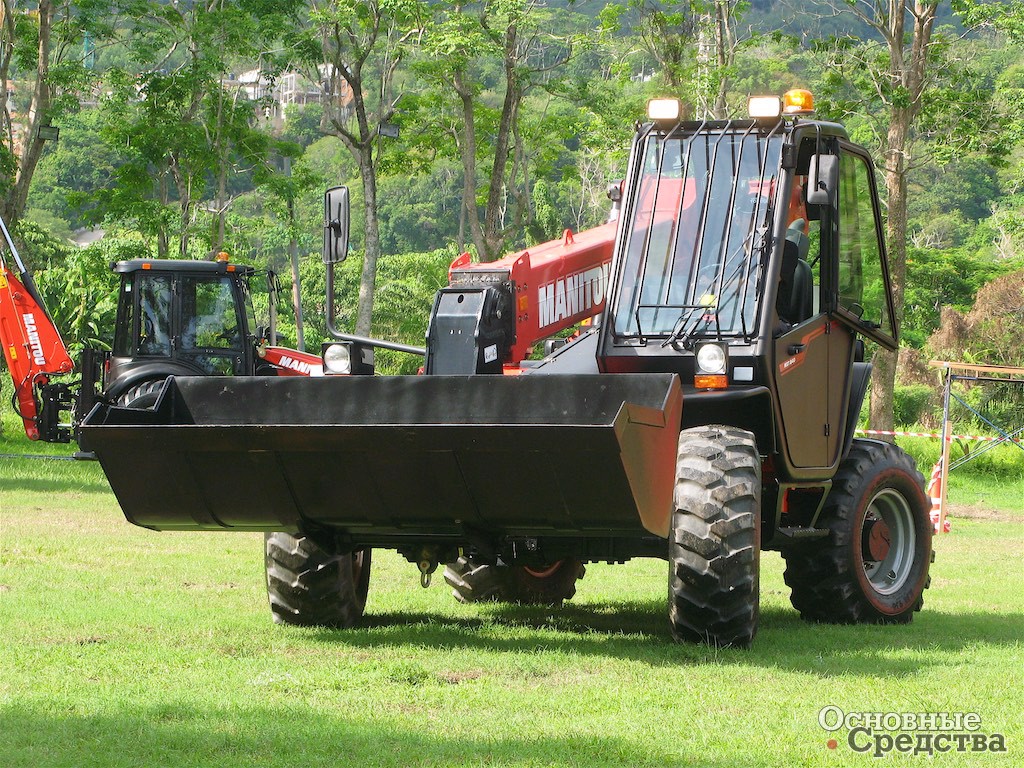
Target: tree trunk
896,156
493,229
468,151
293,258
725,50
371,235
38,114
908,67
6,54
884,378
163,240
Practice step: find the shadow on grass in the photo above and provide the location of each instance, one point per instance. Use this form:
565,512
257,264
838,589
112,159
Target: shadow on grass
41,476
173,734
639,631
57,485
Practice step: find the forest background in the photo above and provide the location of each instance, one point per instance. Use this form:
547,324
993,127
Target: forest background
187,128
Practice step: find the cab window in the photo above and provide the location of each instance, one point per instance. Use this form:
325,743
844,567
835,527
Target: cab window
210,318
154,316
860,275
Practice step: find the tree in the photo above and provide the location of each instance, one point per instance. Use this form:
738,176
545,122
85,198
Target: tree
284,187
716,54
187,130
904,83
353,49
693,44
517,36
70,173
41,45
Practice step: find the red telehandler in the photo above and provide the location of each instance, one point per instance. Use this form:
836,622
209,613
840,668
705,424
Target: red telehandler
174,318
707,414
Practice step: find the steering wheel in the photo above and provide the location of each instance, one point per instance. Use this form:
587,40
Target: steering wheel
228,335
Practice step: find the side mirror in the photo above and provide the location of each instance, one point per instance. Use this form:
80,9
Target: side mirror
823,180
335,225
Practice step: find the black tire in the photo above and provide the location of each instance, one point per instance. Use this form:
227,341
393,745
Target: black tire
715,541
141,395
473,582
309,585
873,566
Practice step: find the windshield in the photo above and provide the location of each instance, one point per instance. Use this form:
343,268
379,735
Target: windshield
697,234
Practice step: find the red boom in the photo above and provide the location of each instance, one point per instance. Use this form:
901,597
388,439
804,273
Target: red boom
555,284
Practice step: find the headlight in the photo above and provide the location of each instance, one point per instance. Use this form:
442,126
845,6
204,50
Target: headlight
337,359
711,358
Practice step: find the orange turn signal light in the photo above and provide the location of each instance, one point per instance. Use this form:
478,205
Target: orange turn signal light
711,381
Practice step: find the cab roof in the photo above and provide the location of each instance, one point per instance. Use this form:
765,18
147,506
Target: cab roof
182,266
784,125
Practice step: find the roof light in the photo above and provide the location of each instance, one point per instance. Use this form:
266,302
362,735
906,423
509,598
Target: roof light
764,106
798,101
223,257
664,110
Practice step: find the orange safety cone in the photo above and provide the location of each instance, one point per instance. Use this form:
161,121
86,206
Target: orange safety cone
934,491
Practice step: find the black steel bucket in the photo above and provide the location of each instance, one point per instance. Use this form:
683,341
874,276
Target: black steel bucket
393,457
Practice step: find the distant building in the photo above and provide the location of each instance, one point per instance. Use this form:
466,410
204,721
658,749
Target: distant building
290,88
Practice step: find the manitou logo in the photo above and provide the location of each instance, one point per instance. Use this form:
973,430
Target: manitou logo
297,365
33,339
572,295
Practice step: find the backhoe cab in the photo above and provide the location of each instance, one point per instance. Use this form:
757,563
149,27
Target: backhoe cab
174,318
180,318
704,413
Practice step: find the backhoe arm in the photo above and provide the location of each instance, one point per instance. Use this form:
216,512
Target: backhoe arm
31,342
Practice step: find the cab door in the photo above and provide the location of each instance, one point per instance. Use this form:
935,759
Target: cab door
804,358
814,357
211,334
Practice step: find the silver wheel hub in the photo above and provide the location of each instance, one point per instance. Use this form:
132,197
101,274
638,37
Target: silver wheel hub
888,541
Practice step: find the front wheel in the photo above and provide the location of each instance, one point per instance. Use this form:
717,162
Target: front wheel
311,585
715,541
873,566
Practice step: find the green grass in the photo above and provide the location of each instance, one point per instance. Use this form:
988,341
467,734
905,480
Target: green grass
124,647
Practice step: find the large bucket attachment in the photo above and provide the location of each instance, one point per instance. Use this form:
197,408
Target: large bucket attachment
386,458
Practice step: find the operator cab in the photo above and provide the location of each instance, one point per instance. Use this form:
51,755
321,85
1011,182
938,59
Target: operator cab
185,318
720,241
750,258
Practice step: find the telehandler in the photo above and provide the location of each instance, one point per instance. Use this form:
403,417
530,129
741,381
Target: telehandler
705,414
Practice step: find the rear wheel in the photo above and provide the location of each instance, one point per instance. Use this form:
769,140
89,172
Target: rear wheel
714,544
141,395
873,566
310,585
473,582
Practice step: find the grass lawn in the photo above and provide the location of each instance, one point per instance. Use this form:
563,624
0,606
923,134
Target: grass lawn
124,647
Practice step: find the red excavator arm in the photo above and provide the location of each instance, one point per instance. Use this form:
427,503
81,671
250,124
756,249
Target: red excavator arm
32,344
